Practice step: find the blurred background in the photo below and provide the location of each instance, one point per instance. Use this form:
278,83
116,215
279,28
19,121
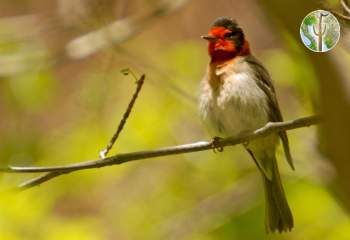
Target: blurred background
62,96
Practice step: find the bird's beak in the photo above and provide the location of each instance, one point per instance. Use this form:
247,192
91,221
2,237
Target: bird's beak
209,38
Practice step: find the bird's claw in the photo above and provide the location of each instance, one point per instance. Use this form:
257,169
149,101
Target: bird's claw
215,145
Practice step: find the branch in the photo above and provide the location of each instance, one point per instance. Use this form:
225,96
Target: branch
55,171
118,31
139,83
345,6
341,16
346,10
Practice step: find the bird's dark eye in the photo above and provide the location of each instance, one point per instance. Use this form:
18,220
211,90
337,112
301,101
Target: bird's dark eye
228,35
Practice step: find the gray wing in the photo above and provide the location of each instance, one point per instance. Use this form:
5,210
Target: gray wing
265,83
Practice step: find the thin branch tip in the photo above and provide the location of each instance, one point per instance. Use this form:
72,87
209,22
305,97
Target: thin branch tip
139,83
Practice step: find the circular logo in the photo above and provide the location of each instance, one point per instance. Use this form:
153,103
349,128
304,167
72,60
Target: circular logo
320,31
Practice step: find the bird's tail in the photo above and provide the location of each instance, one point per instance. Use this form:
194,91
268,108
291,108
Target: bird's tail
278,214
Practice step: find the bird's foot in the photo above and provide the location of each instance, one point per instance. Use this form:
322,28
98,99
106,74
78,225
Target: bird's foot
215,145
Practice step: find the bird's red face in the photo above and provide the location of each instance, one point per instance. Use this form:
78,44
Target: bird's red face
225,43
219,47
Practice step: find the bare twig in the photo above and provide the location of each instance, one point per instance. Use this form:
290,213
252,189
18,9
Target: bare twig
38,180
118,31
139,83
345,5
341,16
56,171
346,10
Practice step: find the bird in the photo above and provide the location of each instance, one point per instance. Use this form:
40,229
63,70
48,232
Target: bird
237,96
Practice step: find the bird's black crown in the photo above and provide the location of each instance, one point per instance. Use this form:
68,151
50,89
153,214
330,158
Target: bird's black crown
225,22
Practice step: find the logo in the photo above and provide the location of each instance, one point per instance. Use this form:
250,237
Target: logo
320,31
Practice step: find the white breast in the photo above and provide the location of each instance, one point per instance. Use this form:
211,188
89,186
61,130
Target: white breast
238,105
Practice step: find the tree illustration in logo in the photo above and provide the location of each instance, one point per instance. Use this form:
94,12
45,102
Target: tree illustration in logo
320,31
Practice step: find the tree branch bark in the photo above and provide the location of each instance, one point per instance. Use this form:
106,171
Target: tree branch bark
341,16
345,5
346,11
139,82
55,171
